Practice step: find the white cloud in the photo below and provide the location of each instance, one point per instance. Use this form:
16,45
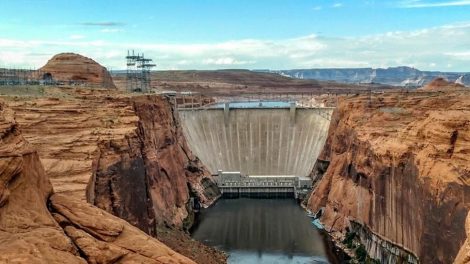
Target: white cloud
317,8
227,61
464,55
337,5
76,37
431,48
425,4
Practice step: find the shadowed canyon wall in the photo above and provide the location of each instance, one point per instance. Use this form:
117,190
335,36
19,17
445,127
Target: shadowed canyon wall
155,164
271,141
398,166
38,226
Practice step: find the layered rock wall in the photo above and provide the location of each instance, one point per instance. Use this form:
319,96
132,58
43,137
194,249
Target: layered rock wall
398,164
124,154
156,164
76,69
37,226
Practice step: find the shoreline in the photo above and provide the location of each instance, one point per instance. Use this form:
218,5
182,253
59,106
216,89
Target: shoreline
337,252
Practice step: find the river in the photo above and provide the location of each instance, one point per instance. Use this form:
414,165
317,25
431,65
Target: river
261,231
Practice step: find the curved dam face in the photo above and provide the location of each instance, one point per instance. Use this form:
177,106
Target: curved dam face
257,141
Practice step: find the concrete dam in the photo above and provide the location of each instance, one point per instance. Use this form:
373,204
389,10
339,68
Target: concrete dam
257,138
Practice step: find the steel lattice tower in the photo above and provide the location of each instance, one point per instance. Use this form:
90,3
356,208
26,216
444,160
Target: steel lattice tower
138,72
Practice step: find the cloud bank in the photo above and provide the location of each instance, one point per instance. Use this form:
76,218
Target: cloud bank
425,4
445,48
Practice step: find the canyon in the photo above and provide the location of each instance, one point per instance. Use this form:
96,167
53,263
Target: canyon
100,175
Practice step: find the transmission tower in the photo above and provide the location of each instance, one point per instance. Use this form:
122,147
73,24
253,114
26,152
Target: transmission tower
138,72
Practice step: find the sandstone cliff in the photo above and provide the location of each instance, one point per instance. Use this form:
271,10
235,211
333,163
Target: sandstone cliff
396,169
76,69
86,138
37,226
156,164
124,154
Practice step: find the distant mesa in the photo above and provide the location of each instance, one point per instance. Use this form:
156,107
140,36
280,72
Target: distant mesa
71,68
441,84
401,76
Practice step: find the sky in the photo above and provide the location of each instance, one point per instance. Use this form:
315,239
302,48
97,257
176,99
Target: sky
242,34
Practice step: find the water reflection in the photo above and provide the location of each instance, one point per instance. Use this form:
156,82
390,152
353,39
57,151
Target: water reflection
261,231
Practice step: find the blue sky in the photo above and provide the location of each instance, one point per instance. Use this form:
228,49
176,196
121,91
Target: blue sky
253,34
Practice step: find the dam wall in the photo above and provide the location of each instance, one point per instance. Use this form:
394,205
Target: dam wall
257,141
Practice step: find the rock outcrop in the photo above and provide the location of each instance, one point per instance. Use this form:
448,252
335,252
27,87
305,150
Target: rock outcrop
37,226
76,69
123,154
118,148
398,165
442,85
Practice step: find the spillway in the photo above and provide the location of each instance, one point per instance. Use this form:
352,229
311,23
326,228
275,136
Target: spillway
265,139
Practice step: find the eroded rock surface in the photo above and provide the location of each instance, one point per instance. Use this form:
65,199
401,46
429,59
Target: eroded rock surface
156,164
123,154
76,69
104,238
399,165
128,152
72,231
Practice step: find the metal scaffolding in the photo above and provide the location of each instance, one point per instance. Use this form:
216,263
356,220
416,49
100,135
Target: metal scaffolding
138,72
19,77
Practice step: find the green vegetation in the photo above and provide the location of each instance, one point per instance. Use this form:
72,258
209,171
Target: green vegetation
349,239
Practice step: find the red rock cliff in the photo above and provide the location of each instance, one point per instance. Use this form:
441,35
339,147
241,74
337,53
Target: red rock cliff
398,165
156,164
75,68
124,154
37,226
128,152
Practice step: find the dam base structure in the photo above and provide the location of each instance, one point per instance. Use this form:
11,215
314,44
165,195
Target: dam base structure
236,185
271,145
